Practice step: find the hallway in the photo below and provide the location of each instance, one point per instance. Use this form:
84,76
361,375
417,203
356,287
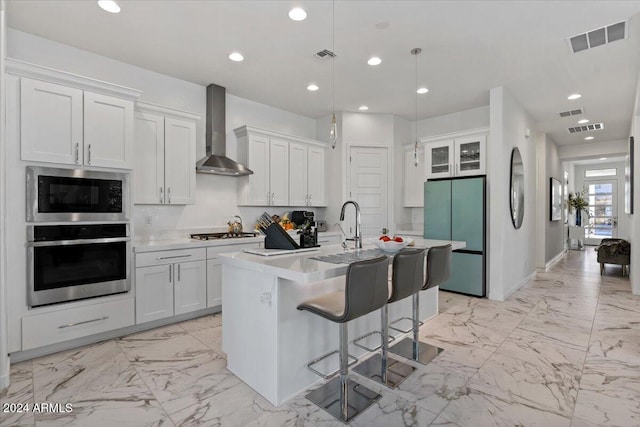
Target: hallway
563,351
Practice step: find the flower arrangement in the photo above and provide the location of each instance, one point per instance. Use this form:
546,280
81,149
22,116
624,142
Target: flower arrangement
578,202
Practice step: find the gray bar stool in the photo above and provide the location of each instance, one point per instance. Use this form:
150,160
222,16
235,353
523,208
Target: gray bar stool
438,271
366,290
407,279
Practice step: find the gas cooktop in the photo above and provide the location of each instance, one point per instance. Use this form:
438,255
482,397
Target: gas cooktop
216,236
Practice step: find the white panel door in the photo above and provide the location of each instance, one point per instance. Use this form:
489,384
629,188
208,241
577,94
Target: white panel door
108,131
279,172
258,156
413,180
190,287
180,161
149,158
154,292
369,187
316,177
50,122
298,166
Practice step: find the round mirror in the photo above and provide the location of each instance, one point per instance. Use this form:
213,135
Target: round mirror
516,188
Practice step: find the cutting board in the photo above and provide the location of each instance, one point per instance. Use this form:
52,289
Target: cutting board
273,252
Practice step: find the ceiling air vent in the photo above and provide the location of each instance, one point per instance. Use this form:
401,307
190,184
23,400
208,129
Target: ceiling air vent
586,128
571,113
598,37
326,53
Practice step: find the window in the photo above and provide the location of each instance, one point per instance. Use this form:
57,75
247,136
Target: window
592,173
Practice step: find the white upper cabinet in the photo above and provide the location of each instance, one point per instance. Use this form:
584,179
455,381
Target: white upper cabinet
287,170
414,178
165,156
50,122
66,125
279,172
306,169
459,156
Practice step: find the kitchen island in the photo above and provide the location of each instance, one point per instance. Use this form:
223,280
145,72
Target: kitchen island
268,341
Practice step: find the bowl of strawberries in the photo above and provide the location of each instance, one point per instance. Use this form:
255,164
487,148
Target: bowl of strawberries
392,244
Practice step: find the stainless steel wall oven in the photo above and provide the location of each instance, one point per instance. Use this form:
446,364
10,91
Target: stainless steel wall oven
55,194
73,261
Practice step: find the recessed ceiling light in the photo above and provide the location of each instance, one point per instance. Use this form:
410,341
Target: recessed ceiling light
236,56
297,14
422,90
313,87
583,121
574,96
374,60
588,138
603,158
363,108
109,5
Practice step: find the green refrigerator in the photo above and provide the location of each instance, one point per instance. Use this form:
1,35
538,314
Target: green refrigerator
455,209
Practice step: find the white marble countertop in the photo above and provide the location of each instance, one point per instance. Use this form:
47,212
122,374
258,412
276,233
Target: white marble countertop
300,267
188,243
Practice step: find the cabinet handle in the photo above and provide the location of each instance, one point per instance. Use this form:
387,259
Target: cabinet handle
170,273
173,257
169,195
456,169
89,154
179,272
68,325
273,195
309,200
161,197
450,168
77,153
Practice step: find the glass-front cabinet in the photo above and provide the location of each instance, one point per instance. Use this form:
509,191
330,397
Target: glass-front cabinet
461,156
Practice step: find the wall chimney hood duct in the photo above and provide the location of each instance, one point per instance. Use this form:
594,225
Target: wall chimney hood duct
215,162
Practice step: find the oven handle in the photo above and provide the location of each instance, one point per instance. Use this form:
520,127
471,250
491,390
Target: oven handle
78,242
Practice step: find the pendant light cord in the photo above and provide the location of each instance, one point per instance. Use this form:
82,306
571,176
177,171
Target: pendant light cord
415,52
333,58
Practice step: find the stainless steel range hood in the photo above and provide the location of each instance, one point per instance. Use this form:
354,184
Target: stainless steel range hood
215,162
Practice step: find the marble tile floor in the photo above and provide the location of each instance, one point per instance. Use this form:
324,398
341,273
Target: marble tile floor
562,351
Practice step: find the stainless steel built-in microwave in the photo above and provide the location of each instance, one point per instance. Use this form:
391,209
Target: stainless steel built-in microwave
76,195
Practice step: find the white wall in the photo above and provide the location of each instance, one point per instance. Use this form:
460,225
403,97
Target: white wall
593,150
402,135
554,230
634,226
4,360
512,253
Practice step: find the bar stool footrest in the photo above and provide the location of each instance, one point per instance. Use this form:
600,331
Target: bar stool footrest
321,358
364,347
404,331
359,398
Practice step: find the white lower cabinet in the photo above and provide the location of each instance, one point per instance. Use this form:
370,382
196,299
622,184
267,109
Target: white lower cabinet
169,283
54,327
214,270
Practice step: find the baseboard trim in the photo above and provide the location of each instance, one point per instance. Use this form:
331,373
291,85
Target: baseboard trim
20,356
554,260
519,284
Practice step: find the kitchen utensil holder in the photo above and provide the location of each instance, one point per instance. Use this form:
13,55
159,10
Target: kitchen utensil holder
277,238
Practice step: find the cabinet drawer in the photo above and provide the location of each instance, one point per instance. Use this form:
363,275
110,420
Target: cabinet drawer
147,259
51,328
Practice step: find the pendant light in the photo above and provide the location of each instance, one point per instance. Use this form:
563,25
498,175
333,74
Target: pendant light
333,132
415,52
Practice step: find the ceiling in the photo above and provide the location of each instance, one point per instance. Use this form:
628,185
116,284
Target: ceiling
467,49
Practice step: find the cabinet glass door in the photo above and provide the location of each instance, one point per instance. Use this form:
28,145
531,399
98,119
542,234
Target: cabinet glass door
440,159
469,156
